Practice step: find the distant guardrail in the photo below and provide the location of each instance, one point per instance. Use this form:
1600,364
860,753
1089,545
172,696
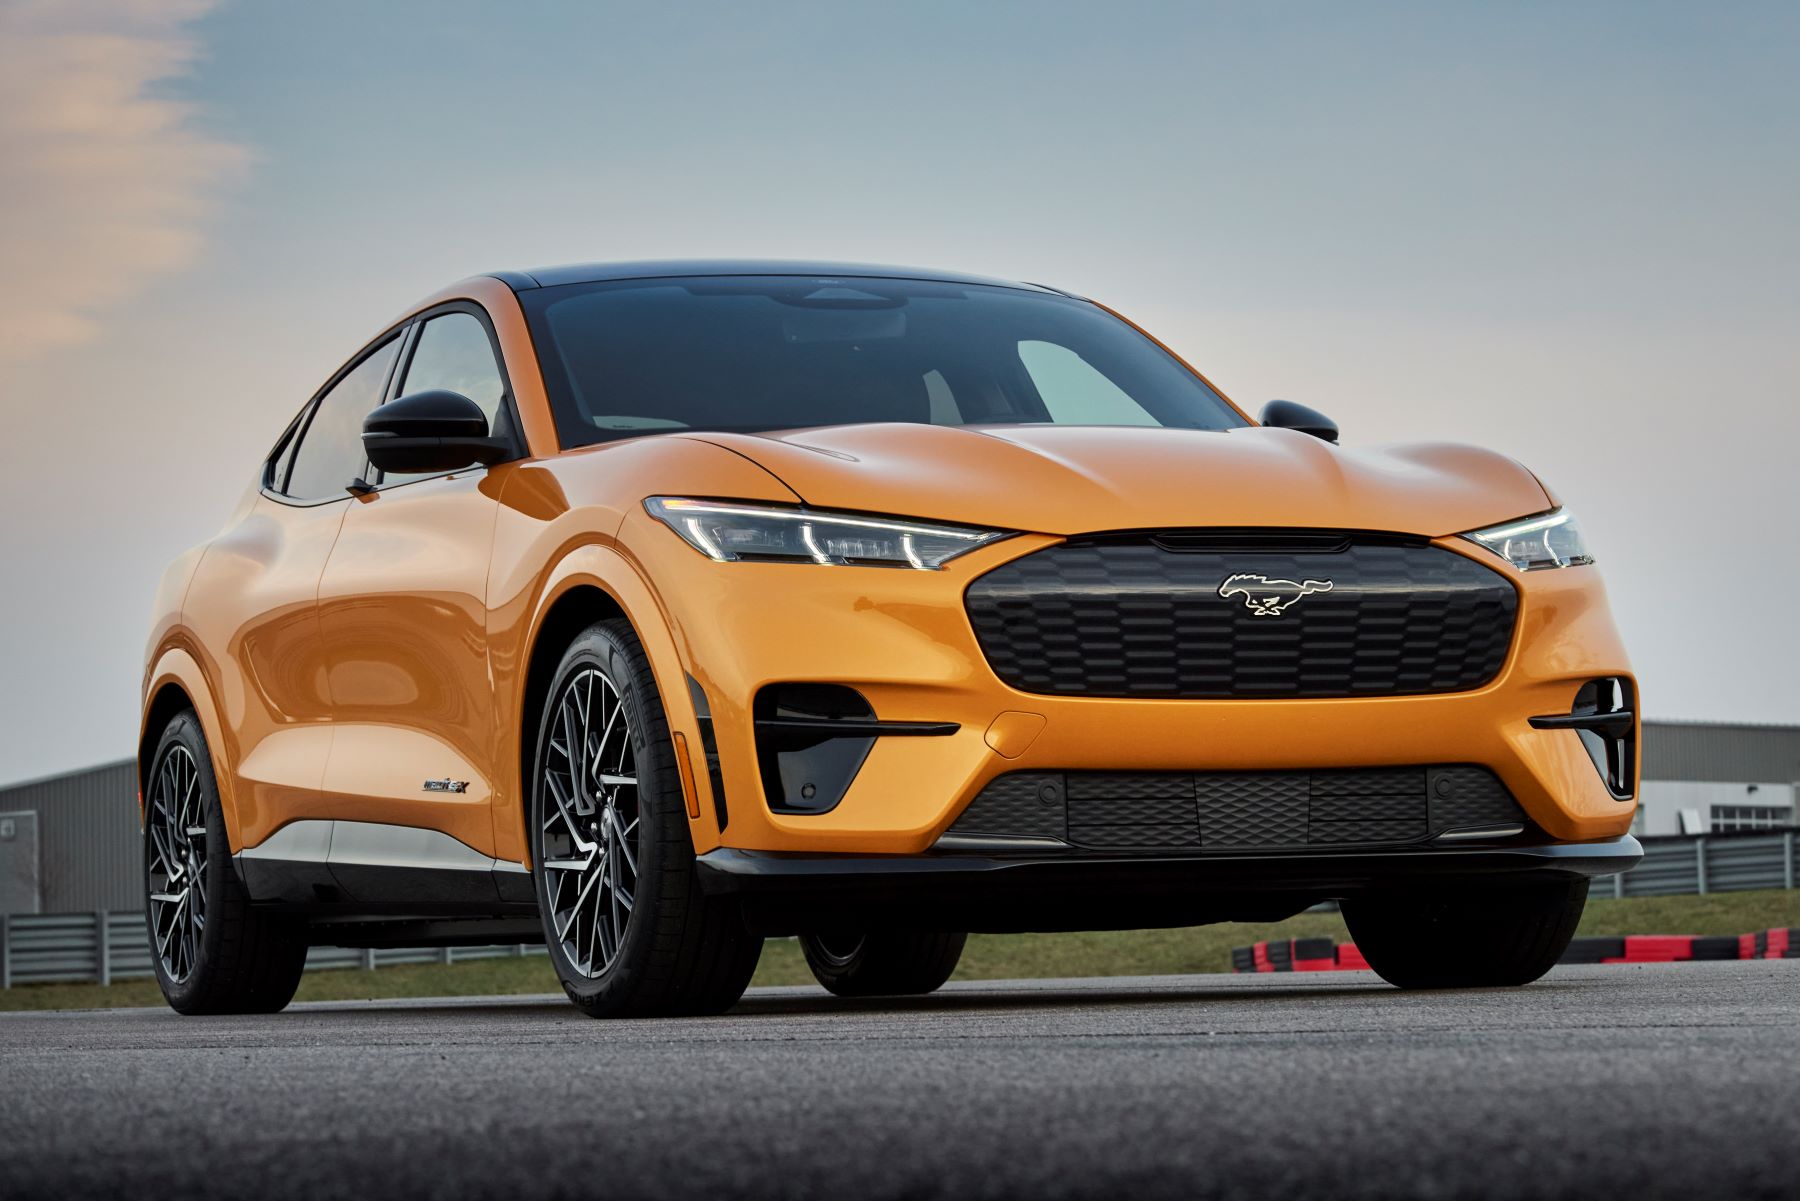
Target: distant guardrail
59,948
107,946
1678,864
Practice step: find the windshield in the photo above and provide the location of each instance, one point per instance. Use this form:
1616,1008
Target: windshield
753,354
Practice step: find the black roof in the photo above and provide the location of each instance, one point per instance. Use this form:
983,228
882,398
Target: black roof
587,273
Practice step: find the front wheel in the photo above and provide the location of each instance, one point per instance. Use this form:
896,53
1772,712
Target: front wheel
882,963
213,951
629,931
1485,937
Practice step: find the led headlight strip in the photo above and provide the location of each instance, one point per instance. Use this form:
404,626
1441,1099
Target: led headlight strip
732,532
1536,543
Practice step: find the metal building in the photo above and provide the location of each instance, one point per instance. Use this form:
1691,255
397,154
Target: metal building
1706,778
69,844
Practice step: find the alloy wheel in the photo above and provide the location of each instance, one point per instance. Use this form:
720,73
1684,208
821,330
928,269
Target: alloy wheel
588,842
175,826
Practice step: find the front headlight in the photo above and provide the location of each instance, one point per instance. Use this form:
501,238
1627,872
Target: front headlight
1553,540
733,533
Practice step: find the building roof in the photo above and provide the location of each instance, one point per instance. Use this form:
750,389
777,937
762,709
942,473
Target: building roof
73,774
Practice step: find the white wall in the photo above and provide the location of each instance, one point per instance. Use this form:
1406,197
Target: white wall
1663,800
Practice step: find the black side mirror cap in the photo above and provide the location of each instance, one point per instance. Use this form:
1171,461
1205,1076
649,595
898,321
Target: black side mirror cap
436,430
1289,415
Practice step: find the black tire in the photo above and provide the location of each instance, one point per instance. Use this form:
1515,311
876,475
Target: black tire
1494,937
679,952
233,958
884,963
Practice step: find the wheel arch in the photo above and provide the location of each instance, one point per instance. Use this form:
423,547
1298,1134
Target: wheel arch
176,682
591,584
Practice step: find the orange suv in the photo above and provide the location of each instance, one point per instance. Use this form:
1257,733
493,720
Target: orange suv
651,610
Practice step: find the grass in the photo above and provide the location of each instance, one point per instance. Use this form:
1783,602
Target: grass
988,956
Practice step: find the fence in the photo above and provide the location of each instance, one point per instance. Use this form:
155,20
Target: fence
40,948
1680,864
104,947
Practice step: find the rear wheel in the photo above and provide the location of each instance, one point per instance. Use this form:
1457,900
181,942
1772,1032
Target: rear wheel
629,931
887,963
212,950
1479,938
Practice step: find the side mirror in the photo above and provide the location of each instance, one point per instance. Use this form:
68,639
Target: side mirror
430,431
1287,415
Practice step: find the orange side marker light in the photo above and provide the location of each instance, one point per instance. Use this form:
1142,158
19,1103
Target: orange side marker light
686,770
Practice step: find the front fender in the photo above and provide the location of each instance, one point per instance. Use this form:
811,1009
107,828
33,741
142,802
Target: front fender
558,532
605,569
176,667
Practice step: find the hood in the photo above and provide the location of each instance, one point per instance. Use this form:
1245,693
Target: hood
1070,479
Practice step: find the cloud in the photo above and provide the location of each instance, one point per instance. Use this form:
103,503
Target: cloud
106,184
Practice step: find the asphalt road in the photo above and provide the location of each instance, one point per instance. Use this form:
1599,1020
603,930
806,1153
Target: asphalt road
1677,1080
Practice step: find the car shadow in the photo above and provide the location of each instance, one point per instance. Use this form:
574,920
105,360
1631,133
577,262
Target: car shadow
1049,997
970,997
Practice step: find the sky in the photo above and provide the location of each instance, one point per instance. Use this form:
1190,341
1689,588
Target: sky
1568,231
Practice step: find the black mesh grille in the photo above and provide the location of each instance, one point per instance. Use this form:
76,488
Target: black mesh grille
1132,617
1241,811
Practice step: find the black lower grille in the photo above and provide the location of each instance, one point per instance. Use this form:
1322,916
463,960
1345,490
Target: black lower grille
1241,811
1186,615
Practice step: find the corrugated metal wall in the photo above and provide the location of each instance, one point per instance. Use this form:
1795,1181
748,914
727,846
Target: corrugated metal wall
87,838
1741,754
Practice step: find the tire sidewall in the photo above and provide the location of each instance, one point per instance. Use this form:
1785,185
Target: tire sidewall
883,963
1494,937
601,648
832,967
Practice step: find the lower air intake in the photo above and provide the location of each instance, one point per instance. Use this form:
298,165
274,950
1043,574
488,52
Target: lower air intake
1239,812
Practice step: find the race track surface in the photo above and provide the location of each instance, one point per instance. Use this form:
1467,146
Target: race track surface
1666,1080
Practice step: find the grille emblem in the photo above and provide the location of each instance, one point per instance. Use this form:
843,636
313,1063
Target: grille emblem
1266,597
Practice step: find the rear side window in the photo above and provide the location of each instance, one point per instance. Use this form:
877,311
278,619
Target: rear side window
330,454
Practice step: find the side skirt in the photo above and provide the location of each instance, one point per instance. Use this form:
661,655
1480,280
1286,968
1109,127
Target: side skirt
339,871
426,932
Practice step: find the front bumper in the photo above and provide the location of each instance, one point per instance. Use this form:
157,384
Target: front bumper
1010,892
904,641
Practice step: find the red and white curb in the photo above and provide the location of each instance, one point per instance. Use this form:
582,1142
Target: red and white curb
1324,955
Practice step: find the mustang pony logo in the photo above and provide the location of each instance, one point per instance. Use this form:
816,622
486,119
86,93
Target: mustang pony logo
1266,597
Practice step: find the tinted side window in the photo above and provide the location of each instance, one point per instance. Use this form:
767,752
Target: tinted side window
330,454
278,470
454,353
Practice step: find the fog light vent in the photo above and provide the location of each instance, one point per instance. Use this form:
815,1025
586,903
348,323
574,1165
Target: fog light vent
807,757
811,740
1605,717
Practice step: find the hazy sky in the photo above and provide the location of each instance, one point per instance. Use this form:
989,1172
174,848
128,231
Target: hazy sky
1570,232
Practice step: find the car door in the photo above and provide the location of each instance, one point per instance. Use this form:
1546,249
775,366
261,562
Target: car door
403,610
253,603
